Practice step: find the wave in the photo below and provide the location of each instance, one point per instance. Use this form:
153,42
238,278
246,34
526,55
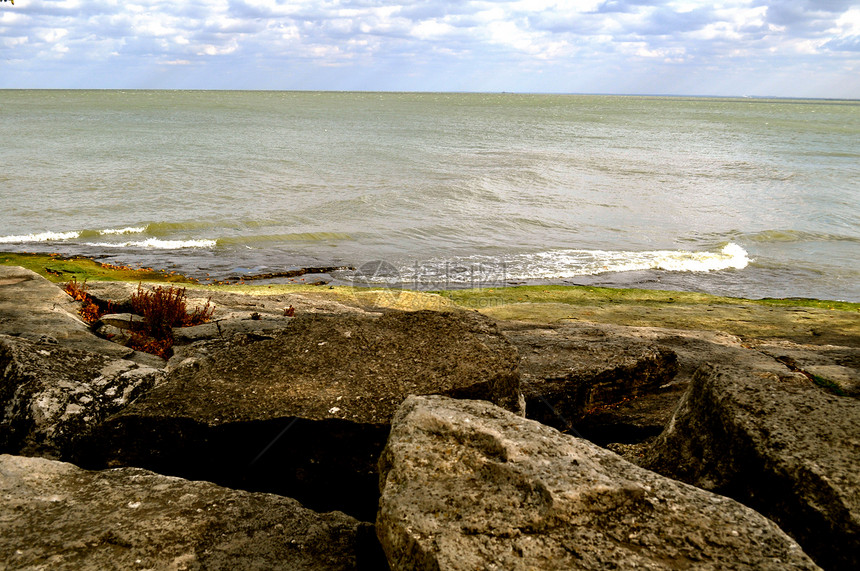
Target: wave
156,244
168,235
39,237
561,264
165,228
290,237
71,235
785,236
126,230
591,262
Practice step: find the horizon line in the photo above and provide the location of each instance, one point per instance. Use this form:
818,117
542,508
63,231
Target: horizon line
428,92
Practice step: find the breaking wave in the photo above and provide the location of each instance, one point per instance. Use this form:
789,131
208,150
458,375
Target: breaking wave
40,237
561,264
156,244
72,235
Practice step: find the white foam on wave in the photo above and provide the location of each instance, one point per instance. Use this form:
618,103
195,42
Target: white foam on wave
571,263
40,237
560,264
156,244
61,236
126,230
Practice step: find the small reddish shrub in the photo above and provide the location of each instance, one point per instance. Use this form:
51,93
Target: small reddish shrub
163,309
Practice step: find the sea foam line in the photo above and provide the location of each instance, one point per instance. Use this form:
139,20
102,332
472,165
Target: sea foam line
62,236
572,263
39,237
560,264
157,244
126,230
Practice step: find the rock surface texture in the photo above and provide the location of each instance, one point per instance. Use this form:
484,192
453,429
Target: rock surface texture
33,308
57,516
305,412
776,441
569,371
295,393
467,485
51,396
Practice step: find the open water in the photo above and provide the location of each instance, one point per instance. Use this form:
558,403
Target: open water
748,197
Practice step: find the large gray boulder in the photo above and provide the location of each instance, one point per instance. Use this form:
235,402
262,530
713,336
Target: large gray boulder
305,412
569,371
778,442
51,396
467,485
57,516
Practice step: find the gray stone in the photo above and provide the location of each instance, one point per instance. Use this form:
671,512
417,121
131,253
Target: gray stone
222,328
127,321
829,365
306,412
570,371
467,485
776,441
51,395
118,293
57,516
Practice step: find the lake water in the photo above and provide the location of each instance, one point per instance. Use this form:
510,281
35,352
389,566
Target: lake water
748,197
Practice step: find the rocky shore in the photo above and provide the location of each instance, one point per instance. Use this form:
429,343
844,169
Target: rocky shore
376,429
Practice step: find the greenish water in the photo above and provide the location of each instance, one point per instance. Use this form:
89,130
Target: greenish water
744,197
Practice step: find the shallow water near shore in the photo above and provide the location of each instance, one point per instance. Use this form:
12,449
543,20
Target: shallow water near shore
744,197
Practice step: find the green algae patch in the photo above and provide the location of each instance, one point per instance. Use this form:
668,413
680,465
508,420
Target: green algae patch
59,269
588,295
364,297
805,302
804,321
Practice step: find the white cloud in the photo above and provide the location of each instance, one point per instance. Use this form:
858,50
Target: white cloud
545,45
431,29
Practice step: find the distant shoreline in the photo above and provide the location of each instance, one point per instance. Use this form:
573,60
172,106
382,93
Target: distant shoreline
396,92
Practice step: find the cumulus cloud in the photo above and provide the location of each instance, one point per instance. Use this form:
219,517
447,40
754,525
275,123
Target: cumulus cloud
523,45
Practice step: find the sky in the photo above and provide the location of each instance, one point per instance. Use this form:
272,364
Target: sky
784,48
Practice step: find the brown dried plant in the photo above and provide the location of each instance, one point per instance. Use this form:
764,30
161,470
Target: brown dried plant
90,311
163,309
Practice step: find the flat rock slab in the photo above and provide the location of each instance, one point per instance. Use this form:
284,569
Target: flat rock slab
467,485
33,308
57,516
51,395
231,305
306,413
778,442
222,328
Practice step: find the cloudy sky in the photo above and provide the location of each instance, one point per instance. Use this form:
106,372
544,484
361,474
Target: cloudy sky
805,48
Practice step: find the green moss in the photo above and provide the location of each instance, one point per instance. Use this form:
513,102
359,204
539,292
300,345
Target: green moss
804,302
802,320
586,295
828,384
59,269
